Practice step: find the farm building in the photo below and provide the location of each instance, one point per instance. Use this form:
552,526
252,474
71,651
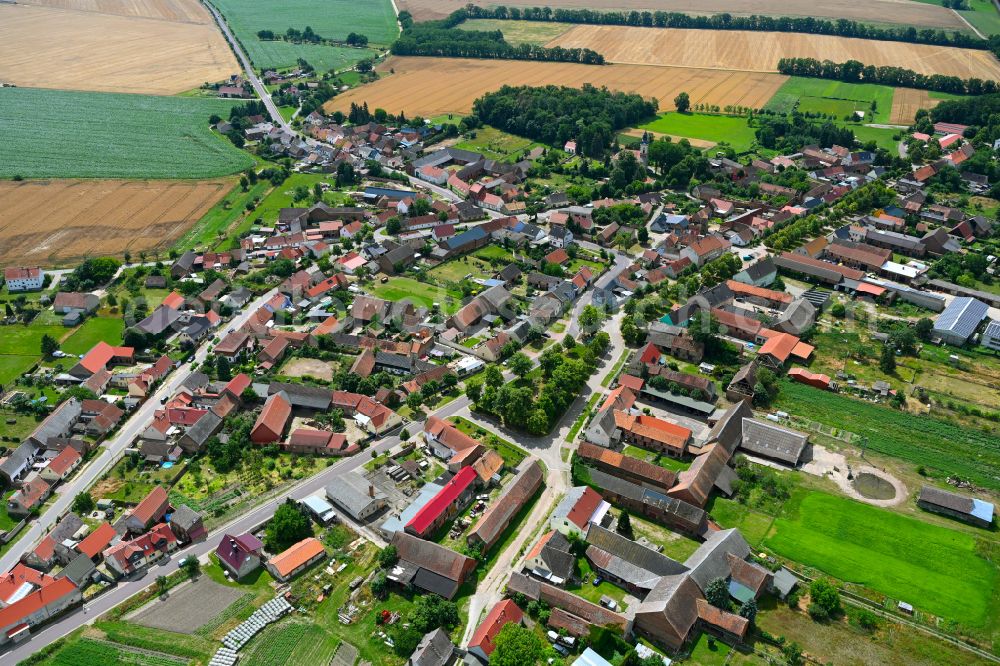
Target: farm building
960,320
968,509
296,559
772,441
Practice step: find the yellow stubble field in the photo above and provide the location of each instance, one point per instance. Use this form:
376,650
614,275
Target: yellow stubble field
430,86
760,51
58,222
159,47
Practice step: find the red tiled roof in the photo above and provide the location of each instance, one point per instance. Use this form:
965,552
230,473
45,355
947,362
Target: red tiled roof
559,256
102,353
64,461
293,558
448,434
97,541
502,613
271,422
444,499
31,604
152,505
631,382
584,508
656,429
238,384
12,581
174,300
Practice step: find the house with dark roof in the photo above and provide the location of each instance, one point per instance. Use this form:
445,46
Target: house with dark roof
428,566
241,555
357,496
677,513
967,509
771,440
187,524
628,468
434,649
551,558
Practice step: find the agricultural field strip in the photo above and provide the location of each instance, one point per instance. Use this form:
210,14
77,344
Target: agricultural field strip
881,12
182,11
83,216
738,50
431,86
61,134
78,50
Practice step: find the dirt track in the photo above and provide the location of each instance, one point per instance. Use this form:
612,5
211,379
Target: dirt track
429,86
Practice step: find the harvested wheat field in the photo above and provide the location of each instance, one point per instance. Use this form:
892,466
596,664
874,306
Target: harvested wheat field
760,51
430,86
52,47
899,12
61,221
906,102
169,10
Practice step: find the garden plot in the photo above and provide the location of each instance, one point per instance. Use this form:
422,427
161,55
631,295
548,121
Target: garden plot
190,607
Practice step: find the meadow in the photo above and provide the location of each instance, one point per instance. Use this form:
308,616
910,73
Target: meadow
420,294
92,331
938,445
733,130
331,19
497,144
519,32
937,569
840,99
59,134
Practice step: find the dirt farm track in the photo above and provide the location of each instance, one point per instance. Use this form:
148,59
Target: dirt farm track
904,12
160,47
57,222
429,86
760,51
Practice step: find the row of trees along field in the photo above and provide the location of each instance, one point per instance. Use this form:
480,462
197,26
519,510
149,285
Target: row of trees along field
556,114
438,38
805,24
853,71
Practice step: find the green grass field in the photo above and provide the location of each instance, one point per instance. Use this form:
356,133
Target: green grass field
60,134
13,366
981,14
880,135
92,331
840,99
496,144
519,32
210,230
720,129
419,293
935,568
941,446
27,340
331,19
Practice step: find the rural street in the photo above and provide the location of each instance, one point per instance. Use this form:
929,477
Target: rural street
113,448
248,69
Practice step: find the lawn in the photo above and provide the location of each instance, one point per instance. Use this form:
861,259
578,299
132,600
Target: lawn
62,134
882,136
651,456
27,340
592,592
836,97
937,569
496,144
330,19
512,454
519,32
283,196
733,130
455,270
13,366
704,654
729,513
940,446
92,331
419,293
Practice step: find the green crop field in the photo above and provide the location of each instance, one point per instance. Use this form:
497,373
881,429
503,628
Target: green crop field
935,568
92,331
840,99
84,652
720,129
981,14
331,19
60,134
921,440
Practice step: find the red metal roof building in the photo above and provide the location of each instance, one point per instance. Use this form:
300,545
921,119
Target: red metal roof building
443,505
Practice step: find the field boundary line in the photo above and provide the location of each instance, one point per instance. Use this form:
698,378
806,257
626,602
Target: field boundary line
966,22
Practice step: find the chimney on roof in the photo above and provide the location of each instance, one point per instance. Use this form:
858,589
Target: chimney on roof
371,491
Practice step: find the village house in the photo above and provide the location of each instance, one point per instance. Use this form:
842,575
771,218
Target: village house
19,278
296,559
240,555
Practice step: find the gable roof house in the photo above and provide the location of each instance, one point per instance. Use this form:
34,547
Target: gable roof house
357,496
17,619
273,419
428,566
967,509
503,612
770,440
296,559
580,506
514,496
151,509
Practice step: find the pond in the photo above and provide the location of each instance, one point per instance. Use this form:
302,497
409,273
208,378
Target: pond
872,486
